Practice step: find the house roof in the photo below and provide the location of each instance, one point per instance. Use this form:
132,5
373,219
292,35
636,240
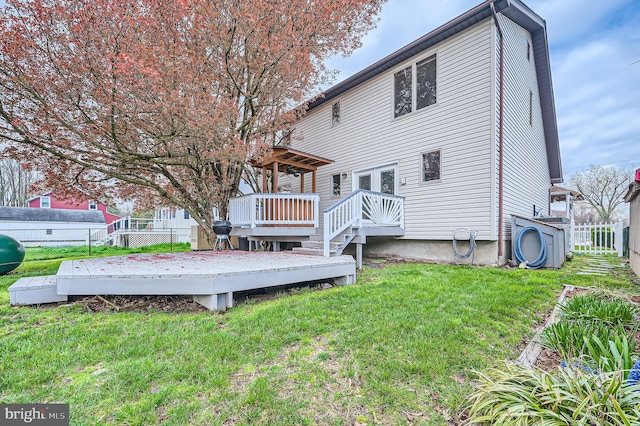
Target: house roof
28,214
634,190
288,158
514,10
38,196
558,192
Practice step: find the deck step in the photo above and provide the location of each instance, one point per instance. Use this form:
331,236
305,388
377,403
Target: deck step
319,245
312,251
34,291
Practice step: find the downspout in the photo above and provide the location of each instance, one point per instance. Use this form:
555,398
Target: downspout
500,140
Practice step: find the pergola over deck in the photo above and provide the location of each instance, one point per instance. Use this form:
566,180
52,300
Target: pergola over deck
286,160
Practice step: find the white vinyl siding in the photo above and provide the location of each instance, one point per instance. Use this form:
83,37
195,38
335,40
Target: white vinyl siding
526,171
459,125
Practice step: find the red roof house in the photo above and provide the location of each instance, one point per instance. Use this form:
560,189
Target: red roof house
50,201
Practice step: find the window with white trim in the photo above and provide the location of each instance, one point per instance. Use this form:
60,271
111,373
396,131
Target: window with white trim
336,185
411,94
93,205
45,202
431,166
335,113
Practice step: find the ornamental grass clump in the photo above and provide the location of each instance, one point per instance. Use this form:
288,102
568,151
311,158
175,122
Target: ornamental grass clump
599,309
516,395
595,330
613,355
568,339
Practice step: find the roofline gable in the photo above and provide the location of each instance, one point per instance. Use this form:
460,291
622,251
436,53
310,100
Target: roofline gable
512,9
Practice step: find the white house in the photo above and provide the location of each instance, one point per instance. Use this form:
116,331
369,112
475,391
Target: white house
52,227
459,125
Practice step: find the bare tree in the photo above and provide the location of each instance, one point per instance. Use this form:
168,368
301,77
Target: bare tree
15,181
603,188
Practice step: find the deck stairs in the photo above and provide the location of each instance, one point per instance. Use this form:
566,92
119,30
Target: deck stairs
361,214
315,244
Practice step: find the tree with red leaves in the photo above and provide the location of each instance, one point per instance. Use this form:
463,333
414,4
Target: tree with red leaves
158,100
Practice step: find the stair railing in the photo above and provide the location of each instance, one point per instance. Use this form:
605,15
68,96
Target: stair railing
377,208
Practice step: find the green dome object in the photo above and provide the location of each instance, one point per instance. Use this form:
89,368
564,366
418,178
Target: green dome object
11,254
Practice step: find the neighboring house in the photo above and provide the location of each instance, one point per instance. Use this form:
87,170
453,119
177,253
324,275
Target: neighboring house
563,201
52,227
172,218
633,198
51,201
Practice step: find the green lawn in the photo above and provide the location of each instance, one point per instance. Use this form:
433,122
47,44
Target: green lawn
395,348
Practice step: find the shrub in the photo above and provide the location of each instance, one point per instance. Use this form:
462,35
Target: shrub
517,395
602,237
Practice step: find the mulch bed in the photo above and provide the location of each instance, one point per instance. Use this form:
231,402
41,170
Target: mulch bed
169,304
182,304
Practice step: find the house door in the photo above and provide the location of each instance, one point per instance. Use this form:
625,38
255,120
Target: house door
380,179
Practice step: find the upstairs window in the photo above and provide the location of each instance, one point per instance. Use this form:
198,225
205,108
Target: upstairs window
335,185
426,84
403,90
335,113
93,205
431,166
422,88
45,202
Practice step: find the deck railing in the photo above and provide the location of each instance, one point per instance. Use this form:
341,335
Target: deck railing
280,209
359,208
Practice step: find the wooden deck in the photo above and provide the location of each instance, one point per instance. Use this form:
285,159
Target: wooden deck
211,277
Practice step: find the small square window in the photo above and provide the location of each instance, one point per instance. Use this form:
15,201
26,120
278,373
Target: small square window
49,231
93,205
335,113
335,185
45,202
431,166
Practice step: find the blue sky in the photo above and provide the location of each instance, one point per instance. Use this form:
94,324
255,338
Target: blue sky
593,44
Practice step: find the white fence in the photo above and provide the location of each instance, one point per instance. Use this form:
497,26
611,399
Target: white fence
601,238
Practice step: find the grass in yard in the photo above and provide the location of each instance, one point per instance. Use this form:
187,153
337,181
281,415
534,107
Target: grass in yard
75,252
397,347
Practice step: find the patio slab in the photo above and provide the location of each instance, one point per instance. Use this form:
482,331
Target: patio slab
211,277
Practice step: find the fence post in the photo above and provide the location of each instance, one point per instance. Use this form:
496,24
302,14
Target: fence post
618,238
572,236
89,241
171,239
